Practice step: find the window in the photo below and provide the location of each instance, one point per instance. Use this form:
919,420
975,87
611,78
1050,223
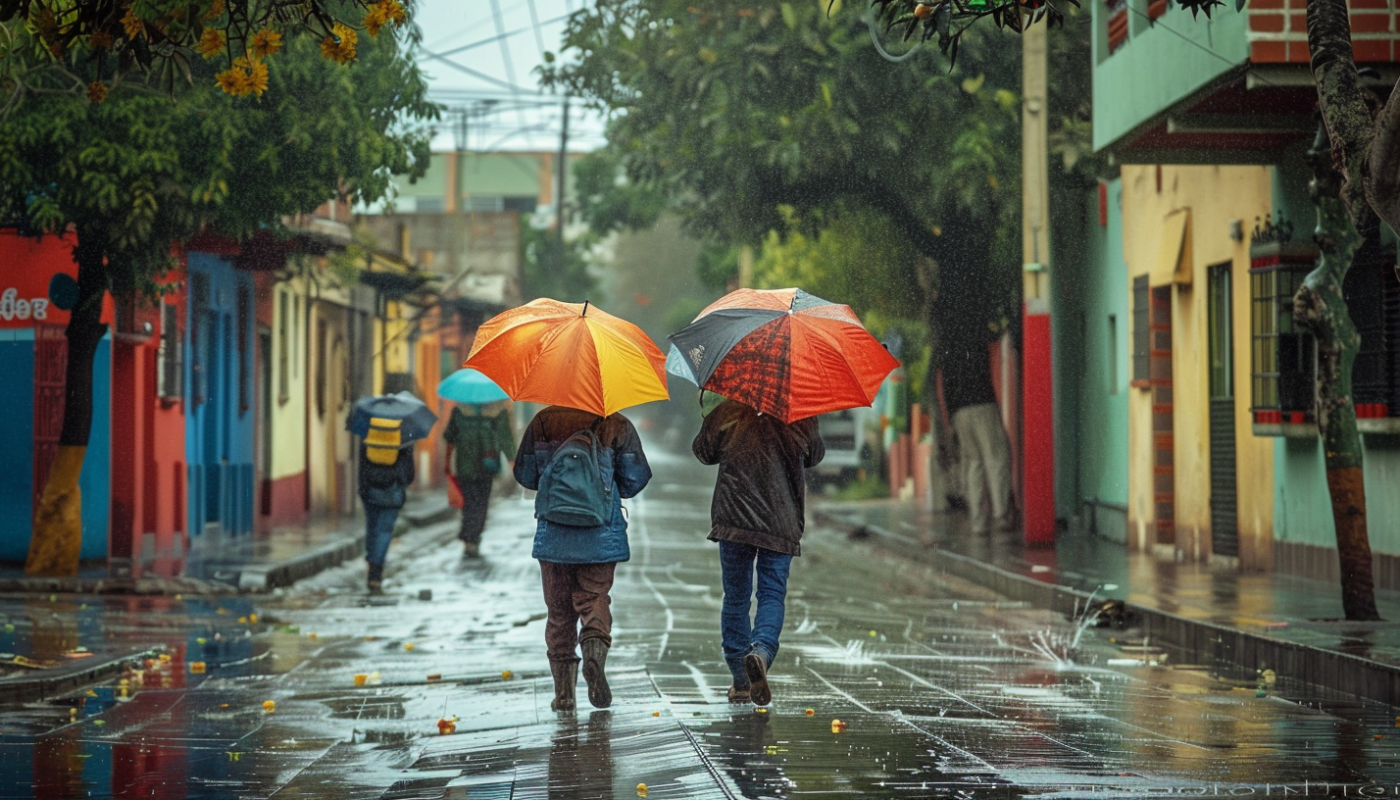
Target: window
1282,356
284,346
1113,354
1222,384
1373,300
170,368
1142,331
296,335
245,320
199,309
321,367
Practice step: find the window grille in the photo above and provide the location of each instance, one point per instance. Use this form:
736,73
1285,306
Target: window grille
1283,357
1142,331
170,367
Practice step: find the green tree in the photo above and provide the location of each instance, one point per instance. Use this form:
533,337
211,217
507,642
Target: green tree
134,172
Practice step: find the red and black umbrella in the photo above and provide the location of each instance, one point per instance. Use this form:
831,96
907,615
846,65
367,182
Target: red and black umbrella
782,351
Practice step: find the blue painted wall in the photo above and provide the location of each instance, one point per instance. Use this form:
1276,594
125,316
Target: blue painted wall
17,443
95,480
219,430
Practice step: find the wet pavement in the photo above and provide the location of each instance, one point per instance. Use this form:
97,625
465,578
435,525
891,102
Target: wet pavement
944,689
1273,605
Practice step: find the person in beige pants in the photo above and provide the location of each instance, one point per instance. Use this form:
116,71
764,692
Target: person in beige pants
986,462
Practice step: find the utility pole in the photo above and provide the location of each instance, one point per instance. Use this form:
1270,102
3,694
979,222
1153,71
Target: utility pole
563,172
1037,386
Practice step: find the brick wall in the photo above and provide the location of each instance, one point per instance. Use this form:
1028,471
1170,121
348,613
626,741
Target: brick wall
1278,31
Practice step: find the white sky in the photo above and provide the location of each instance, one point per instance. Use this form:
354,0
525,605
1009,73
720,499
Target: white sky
480,58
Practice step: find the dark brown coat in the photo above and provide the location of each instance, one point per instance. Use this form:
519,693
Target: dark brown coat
759,494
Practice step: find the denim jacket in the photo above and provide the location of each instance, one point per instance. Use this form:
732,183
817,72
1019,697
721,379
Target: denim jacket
620,456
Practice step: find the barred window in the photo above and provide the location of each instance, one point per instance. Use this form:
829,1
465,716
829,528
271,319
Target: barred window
170,366
1282,356
1142,331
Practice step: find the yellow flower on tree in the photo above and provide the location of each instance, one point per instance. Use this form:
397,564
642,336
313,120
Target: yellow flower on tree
233,81
210,43
97,92
255,75
132,24
383,13
393,11
340,45
215,9
265,42
375,20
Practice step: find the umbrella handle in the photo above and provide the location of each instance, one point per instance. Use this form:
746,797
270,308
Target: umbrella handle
584,312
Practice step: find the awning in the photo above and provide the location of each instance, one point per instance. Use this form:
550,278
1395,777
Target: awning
1173,261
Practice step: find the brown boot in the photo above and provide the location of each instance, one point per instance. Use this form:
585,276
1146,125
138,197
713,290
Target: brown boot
565,679
595,658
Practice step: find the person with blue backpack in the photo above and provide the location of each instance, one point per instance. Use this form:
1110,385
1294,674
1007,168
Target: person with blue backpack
582,466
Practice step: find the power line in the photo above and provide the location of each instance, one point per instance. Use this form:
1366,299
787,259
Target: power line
505,48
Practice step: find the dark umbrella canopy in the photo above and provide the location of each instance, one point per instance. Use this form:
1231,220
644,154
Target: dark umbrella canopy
417,418
783,351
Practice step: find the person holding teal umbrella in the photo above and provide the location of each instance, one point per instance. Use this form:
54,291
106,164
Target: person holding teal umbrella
479,443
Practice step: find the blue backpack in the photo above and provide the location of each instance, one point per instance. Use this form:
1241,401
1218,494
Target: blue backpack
573,490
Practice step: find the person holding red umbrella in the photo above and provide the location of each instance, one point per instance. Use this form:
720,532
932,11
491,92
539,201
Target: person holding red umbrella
782,357
757,518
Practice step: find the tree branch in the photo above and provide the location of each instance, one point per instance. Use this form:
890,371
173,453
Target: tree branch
1382,176
1344,109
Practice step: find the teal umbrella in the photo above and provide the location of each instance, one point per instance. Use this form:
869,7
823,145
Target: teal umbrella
472,387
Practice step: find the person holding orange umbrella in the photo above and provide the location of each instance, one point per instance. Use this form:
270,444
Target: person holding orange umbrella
582,458
781,357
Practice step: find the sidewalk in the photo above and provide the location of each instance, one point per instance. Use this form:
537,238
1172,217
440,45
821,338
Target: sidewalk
245,563
284,556
1210,616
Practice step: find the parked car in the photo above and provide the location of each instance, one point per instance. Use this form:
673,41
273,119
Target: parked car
850,448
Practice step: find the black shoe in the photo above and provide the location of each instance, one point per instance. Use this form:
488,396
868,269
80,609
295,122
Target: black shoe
375,581
737,695
595,659
756,668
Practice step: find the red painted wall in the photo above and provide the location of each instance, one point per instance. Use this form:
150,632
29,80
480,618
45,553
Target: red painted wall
149,480
1037,431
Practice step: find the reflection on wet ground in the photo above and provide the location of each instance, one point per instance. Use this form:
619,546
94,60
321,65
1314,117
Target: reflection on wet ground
941,689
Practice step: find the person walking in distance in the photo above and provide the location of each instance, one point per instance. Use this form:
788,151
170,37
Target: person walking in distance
581,466
386,470
983,449
478,445
757,517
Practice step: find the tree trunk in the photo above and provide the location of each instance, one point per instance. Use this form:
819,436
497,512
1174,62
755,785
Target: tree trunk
57,538
1320,305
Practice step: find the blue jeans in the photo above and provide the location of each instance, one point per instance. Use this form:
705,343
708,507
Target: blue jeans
379,531
737,564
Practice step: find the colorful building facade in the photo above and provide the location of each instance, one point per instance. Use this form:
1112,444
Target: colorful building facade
1175,323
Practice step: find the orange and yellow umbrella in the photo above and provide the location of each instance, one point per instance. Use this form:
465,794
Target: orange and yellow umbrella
570,354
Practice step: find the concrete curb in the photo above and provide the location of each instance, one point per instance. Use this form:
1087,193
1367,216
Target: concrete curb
140,586
266,577
1197,641
58,680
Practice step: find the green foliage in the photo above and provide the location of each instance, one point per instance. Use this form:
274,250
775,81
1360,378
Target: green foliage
608,202
871,487
556,268
142,171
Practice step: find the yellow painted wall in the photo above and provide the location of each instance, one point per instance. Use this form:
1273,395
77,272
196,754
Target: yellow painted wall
427,372
288,413
1214,195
